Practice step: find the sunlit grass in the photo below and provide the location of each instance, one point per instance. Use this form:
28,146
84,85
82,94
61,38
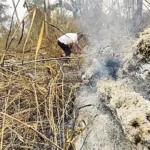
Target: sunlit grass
37,95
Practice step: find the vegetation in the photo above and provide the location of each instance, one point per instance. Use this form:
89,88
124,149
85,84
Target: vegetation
36,89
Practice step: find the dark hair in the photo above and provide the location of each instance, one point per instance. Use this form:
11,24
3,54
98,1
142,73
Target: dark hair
80,35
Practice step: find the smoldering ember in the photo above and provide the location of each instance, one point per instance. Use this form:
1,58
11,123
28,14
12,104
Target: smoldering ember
75,75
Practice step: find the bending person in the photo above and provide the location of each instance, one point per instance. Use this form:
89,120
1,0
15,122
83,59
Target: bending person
67,40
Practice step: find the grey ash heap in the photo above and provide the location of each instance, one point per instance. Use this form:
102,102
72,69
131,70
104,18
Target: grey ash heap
113,104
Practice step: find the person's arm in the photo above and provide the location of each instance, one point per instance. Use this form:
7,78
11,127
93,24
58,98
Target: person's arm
79,48
70,45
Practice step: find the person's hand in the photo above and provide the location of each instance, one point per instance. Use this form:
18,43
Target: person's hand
62,54
70,45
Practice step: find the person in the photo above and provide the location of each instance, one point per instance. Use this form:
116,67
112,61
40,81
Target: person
67,41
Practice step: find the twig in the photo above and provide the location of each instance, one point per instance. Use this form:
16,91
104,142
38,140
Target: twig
146,7
15,11
7,45
40,60
25,124
4,120
28,34
51,24
12,38
147,2
23,24
85,139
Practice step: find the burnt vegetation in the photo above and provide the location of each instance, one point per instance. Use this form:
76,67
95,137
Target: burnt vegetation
37,91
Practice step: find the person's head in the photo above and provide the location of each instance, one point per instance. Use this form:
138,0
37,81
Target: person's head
79,36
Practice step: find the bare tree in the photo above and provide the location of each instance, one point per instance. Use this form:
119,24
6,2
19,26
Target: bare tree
45,15
49,10
15,11
137,14
140,8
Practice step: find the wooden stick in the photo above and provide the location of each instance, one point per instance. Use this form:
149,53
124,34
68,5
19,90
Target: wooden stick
40,60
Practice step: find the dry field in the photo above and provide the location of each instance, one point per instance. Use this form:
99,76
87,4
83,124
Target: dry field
37,90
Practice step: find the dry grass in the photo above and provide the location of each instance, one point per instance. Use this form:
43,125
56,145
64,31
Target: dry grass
35,110
37,97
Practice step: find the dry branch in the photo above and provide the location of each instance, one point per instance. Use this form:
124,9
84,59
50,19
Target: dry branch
41,60
8,45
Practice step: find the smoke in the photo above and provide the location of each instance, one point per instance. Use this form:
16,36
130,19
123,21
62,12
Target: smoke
110,38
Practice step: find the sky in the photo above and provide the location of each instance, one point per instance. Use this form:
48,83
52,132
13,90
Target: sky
20,9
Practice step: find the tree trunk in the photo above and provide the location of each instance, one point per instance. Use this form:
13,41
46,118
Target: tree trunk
49,10
45,14
61,12
138,13
139,8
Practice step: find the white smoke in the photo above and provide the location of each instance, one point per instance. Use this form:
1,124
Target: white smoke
110,39
109,35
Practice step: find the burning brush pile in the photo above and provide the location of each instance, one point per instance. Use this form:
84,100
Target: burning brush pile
129,94
119,98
